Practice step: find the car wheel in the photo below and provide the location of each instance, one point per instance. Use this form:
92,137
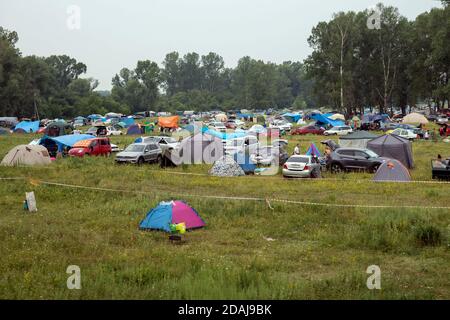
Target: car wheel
374,168
315,174
336,168
140,161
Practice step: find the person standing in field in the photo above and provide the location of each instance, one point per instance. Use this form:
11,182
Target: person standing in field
297,149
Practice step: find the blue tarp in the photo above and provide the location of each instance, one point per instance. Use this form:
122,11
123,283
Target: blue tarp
28,126
243,160
294,116
68,140
323,119
94,116
223,135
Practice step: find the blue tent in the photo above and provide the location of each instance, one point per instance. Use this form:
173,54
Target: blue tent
94,117
243,160
294,117
128,121
323,119
28,126
66,141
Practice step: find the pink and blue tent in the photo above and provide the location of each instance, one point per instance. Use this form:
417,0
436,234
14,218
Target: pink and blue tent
173,212
313,151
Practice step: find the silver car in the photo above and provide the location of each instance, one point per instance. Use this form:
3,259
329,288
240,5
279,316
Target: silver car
301,166
140,153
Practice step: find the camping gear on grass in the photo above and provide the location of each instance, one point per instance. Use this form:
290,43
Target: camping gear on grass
393,147
356,139
226,167
392,170
172,213
27,155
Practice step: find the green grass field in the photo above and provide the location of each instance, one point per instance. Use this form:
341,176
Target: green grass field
317,252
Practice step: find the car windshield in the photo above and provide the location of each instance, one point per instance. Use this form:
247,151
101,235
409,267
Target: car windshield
371,154
299,159
135,148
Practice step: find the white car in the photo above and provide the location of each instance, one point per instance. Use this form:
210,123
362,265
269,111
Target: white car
165,143
219,126
301,166
338,130
281,124
110,131
442,120
246,144
405,133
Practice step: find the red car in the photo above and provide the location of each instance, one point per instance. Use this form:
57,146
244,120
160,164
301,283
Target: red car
91,147
308,130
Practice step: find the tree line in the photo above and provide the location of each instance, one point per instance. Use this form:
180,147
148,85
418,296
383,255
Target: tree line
373,58
379,59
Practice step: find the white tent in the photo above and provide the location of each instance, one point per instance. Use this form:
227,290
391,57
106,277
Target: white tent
27,155
415,118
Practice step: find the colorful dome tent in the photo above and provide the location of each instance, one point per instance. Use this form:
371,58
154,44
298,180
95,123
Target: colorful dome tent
27,155
392,170
172,212
58,128
356,139
393,147
313,151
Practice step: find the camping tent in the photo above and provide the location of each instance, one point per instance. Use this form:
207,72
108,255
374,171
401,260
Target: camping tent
126,121
292,117
243,160
392,170
226,167
324,120
168,122
58,128
172,212
27,126
337,116
26,155
221,117
415,118
57,144
197,149
394,147
312,150
134,129
356,139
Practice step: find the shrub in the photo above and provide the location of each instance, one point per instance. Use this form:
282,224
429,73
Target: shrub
428,235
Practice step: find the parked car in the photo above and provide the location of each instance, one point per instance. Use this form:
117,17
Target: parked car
442,119
140,153
112,131
219,126
311,129
281,143
302,166
338,130
165,143
432,118
91,147
98,130
246,144
344,159
283,125
266,155
404,133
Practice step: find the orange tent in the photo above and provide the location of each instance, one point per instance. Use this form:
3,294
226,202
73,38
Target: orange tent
168,122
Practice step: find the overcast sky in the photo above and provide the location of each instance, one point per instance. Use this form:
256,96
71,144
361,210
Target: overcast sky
117,33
